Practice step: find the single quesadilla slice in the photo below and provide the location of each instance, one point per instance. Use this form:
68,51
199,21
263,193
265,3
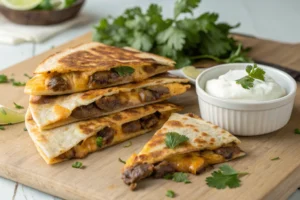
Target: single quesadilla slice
50,112
92,66
78,139
203,144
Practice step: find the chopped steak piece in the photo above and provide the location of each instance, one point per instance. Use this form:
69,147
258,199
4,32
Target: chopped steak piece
107,134
159,90
105,78
42,99
146,95
88,111
137,173
228,152
133,126
57,83
163,168
149,121
109,103
149,69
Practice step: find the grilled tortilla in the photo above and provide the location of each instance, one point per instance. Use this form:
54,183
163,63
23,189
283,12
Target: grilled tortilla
50,112
94,65
81,138
207,145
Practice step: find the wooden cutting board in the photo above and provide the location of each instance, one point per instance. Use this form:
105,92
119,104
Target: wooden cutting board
100,179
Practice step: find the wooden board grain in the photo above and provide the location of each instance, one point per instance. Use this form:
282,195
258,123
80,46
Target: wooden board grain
100,179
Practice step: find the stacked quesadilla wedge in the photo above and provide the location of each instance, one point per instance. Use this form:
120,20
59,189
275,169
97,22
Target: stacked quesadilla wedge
205,144
94,65
93,96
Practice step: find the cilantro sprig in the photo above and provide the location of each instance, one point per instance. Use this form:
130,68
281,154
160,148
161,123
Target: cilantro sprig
174,139
184,39
124,70
297,131
254,72
77,165
170,193
178,177
18,106
225,176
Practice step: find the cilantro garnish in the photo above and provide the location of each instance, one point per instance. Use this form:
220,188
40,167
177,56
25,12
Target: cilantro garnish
18,106
69,3
178,177
77,165
128,145
3,78
2,128
276,158
3,111
122,161
17,83
124,70
99,141
174,139
184,39
170,193
254,72
297,131
225,176
26,75
25,129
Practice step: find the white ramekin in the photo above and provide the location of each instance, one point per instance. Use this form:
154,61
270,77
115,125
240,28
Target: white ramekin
246,118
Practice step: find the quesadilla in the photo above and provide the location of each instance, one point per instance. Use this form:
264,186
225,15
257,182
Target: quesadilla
205,144
50,112
94,65
78,139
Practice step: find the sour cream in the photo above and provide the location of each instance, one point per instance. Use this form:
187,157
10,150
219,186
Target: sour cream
226,87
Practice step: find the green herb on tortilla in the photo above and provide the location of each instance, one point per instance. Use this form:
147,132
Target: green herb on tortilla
276,158
18,106
174,139
77,165
123,70
128,145
99,141
170,193
254,72
186,37
226,176
122,161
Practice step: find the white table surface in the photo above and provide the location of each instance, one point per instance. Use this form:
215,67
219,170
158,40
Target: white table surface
272,19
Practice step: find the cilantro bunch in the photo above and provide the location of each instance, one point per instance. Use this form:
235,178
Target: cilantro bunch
185,38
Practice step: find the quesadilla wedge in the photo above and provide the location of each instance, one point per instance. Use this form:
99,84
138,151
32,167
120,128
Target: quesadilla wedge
50,112
94,65
78,139
205,144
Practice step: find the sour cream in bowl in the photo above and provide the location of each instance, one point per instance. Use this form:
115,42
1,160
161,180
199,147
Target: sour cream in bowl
229,97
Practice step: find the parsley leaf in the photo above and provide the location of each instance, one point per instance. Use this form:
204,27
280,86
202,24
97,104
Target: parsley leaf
122,161
178,177
128,145
3,78
174,139
77,165
225,176
276,158
124,70
99,141
297,131
18,106
2,128
170,193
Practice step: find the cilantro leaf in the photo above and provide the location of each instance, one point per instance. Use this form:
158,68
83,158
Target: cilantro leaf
185,6
99,141
77,165
128,145
124,70
246,82
3,111
297,131
227,170
3,78
220,181
174,139
180,177
172,37
26,75
170,193
276,158
255,72
18,106
142,41
122,161
17,83
45,5
168,176
2,128
25,129
69,3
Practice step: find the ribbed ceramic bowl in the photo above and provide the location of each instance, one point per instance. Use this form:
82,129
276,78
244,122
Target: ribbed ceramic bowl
246,118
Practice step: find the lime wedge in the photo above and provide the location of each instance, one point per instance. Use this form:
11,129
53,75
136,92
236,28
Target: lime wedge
8,116
21,4
192,71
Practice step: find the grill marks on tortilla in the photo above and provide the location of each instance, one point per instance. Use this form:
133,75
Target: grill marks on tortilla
118,101
193,162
